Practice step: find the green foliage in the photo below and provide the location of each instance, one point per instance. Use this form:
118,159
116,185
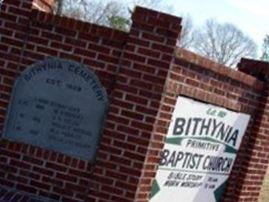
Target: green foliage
119,22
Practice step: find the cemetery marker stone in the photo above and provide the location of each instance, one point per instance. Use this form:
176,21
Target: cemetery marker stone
58,105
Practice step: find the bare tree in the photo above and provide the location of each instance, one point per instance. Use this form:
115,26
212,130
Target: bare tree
186,36
223,43
265,49
110,13
147,3
91,10
58,7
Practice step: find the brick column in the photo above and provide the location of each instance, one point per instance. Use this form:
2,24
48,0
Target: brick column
14,31
255,158
14,25
140,91
14,17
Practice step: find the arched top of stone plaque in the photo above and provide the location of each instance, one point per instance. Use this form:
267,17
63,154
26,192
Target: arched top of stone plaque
59,105
67,69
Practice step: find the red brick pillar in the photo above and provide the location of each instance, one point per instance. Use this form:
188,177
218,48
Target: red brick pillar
121,172
139,94
254,153
14,25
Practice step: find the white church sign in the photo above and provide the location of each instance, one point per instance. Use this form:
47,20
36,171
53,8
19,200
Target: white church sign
199,152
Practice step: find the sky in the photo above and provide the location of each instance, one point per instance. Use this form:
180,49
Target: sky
250,16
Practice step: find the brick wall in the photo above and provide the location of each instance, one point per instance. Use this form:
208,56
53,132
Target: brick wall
204,80
143,72
201,79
